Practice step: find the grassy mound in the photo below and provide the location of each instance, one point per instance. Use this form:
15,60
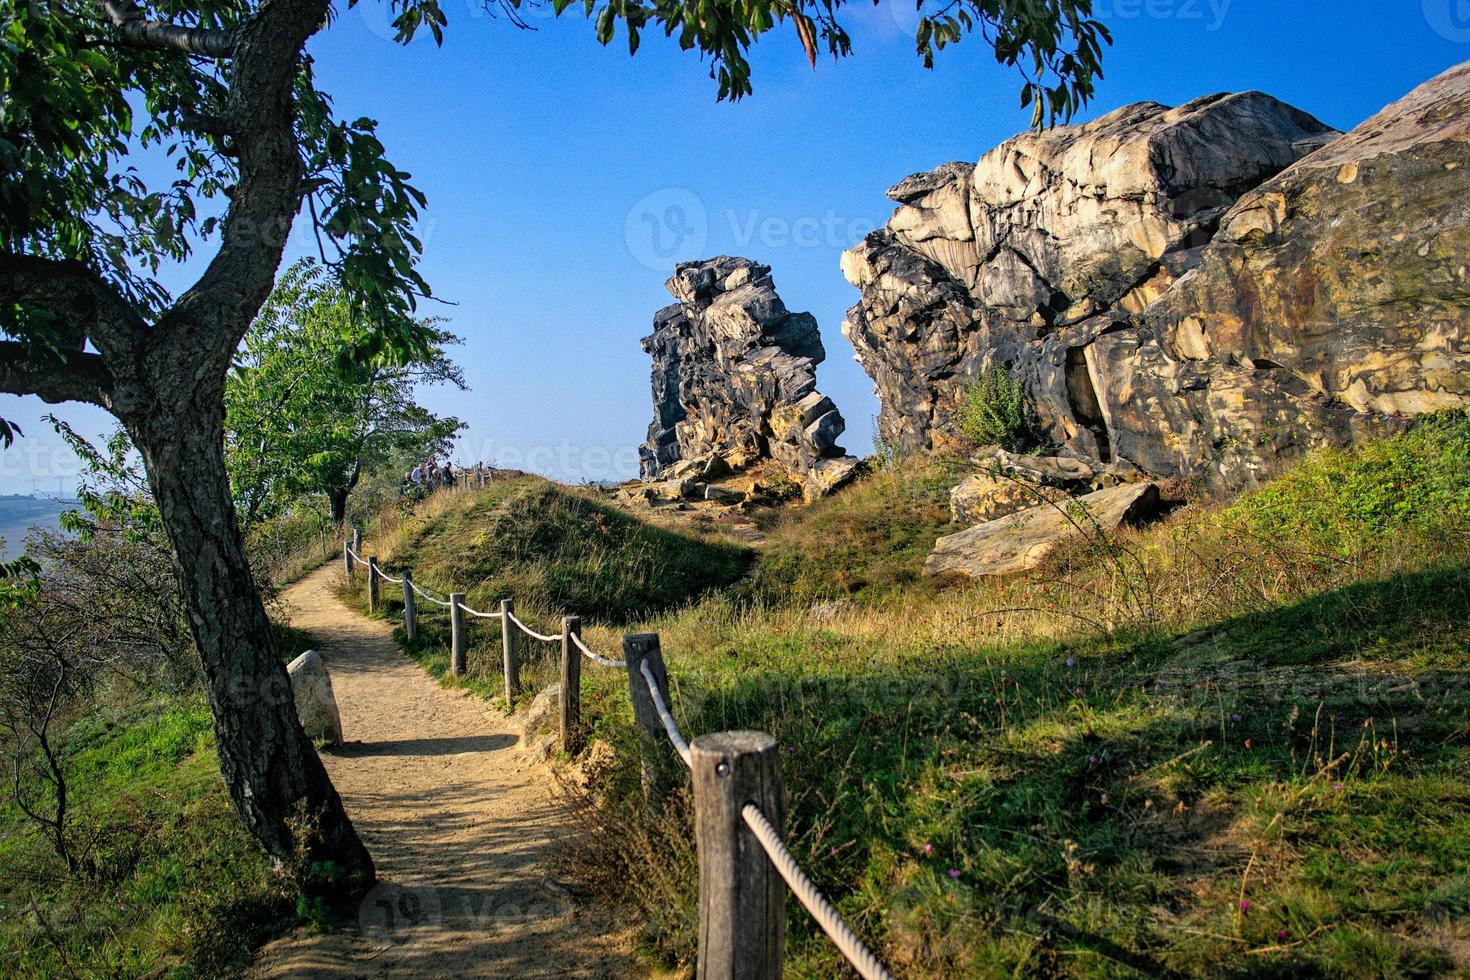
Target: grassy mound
170,883
1233,743
559,550
554,549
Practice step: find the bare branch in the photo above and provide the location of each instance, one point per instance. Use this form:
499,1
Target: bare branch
134,28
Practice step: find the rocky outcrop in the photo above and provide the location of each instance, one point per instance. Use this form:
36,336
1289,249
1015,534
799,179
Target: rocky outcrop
734,382
316,705
1195,291
1010,482
1023,540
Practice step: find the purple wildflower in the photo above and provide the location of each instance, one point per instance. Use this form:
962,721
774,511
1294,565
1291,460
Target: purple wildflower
953,872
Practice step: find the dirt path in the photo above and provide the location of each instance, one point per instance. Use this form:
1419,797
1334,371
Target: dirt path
461,823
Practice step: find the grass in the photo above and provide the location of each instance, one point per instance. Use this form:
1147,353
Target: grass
1230,744
172,883
553,549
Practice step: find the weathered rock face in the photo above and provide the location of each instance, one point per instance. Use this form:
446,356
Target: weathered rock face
734,381
1198,290
316,705
1022,540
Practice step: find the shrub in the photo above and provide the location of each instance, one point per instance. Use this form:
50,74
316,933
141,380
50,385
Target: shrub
996,410
1341,500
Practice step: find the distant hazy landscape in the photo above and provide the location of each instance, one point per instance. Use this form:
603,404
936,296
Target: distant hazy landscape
19,514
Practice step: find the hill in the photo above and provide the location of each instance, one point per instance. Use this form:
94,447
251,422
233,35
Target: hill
1231,742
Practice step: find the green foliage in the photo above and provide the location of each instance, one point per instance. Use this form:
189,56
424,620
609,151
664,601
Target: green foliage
1055,44
76,106
173,885
1342,501
996,410
307,416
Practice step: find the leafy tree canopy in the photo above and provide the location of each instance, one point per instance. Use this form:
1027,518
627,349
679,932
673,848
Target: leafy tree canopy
306,418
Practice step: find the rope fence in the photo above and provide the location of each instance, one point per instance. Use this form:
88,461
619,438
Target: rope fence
738,793
577,641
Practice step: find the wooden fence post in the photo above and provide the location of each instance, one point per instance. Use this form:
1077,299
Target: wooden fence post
372,584
742,899
508,654
410,607
655,751
347,559
571,686
456,634
357,540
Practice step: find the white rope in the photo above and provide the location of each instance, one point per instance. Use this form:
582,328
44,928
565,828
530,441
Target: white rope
680,746
388,578
477,614
543,637
814,901
356,558
594,657
426,596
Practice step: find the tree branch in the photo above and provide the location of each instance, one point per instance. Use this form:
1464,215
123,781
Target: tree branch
77,377
209,319
89,305
135,29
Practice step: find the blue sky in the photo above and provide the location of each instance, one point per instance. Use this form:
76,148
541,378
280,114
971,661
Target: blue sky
549,161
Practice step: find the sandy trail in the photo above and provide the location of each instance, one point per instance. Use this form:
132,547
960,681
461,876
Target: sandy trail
462,825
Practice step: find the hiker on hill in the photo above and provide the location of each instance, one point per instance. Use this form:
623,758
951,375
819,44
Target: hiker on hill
448,473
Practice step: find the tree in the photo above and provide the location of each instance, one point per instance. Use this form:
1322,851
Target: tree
224,89
303,417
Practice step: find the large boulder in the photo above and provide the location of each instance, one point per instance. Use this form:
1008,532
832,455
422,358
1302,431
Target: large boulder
1193,291
1008,482
1023,540
316,705
734,381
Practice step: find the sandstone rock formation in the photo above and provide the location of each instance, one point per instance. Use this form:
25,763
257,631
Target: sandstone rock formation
1023,540
1009,482
734,382
316,705
1198,291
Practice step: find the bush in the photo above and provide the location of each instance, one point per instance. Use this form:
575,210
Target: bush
996,411
1342,501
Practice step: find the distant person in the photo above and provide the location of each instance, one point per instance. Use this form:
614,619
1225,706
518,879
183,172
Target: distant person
448,473
416,476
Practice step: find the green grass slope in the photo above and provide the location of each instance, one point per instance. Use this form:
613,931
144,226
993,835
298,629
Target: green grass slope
1233,743
556,550
170,885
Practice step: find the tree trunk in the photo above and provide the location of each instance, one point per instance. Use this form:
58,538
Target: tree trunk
279,786
337,499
